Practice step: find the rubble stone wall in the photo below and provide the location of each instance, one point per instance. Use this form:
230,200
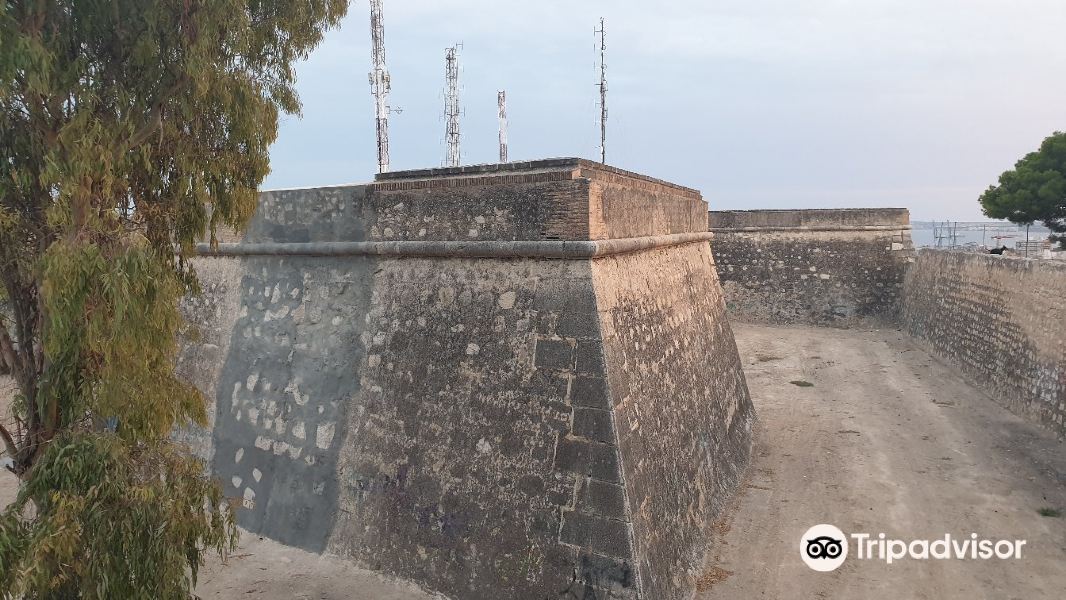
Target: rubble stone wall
1001,321
831,267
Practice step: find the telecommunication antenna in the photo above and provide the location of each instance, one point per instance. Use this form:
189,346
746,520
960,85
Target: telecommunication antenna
602,31
948,232
380,84
501,98
451,105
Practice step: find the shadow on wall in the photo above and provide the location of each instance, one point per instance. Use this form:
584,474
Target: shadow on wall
286,334
284,391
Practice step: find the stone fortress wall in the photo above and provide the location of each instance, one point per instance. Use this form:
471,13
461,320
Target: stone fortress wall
1002,321
511,381
826,267
520,381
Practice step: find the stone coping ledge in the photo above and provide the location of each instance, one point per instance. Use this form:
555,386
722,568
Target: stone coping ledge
993,260
791,218
561,249
812,229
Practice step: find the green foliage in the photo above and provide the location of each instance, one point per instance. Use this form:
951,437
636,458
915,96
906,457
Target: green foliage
1035,190
108,525
110,337
129,129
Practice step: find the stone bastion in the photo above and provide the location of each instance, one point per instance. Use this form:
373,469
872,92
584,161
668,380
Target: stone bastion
505,381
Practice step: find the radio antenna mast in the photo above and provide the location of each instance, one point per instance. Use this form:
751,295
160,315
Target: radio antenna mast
380,85
451,105
502,99
602,31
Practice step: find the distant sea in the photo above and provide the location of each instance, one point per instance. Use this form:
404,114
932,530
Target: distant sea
990,234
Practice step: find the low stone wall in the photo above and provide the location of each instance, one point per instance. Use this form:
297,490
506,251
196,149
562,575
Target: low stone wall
832,267
1002,321
512,381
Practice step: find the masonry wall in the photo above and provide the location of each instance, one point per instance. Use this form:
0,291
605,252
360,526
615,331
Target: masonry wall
457,466
681,406
1002,321
832,267
488,426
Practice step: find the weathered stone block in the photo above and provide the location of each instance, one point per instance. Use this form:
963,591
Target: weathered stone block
577,325
590,358
601,498
609,537
604,573
594,424
590,392
564,296
555,354
591,459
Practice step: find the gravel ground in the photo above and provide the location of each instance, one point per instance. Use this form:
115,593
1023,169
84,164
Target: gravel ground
888,440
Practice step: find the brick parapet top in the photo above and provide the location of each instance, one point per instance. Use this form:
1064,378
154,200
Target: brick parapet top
553,169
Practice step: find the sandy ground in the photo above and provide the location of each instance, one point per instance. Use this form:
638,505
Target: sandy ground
265,569
885,440
8,482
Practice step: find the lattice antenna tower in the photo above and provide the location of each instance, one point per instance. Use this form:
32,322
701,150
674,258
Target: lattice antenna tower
451,105
380,84
501,98
602,32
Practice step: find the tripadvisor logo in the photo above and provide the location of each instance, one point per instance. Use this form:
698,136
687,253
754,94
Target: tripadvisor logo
824,548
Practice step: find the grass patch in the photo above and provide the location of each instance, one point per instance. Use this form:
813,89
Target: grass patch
1050,512
801,383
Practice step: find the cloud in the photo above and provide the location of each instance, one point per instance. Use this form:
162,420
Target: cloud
921,101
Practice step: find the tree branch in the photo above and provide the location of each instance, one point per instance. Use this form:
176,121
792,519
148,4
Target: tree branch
155,118
8,353
9,443
155,121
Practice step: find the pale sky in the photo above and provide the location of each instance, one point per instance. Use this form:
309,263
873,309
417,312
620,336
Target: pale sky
757,103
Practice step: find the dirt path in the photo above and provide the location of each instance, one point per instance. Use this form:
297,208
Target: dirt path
8,482
886,440
267,570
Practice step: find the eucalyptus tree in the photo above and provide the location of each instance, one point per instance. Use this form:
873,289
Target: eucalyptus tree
129,129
